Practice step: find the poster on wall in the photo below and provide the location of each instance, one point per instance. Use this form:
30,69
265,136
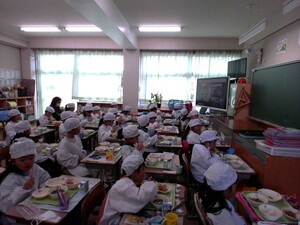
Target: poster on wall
281,46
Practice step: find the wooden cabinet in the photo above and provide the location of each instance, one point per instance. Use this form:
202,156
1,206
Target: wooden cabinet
279,173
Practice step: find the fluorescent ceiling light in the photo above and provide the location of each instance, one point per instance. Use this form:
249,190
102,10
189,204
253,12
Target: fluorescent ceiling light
153,28
289,5
82,29
253,31
41,29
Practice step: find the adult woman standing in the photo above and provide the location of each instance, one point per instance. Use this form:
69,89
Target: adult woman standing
55,103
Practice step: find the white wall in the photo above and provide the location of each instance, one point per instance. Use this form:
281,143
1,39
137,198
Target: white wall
10,57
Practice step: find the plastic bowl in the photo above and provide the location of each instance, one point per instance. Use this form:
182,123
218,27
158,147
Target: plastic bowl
270,212
257,199
158,200
53,191
72,183
291,213
104,143
271,195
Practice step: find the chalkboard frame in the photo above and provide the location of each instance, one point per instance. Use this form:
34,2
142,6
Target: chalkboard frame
275,95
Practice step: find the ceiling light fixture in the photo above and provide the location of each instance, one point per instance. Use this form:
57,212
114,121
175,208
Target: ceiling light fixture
82,28
253,31
40,29
289,5
152,28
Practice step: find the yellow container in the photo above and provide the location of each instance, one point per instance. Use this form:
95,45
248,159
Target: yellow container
109,155
170,219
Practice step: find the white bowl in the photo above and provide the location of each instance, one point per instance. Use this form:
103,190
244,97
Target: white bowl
271,195
40,193
270,212
291,213
164,188
151,161
72,183
257,199
155,155
55,182
101,149
115,144
229,156
158,200
104,143
237,164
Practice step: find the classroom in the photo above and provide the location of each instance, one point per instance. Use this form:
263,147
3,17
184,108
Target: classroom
202,122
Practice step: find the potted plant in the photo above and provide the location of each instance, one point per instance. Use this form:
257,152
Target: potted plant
156,98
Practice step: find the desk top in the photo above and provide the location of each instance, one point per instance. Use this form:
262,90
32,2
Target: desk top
101,160
241,125
172,171
58,216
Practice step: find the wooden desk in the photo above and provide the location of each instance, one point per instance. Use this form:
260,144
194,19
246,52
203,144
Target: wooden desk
90,141
179,208
59,216
104,165
47,134
165,174
175,145
168,130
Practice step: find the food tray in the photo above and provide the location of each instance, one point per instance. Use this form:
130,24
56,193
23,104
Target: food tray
279,151
160,165
279,204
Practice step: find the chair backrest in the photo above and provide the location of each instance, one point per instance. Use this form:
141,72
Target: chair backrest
101,211
94,198
203,218
186,167
4,155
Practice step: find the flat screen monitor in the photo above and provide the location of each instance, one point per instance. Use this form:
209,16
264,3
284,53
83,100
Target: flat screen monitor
237,68
212,93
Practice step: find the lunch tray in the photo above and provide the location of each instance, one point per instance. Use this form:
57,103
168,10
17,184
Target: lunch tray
279,204
51,201
171,195
160,165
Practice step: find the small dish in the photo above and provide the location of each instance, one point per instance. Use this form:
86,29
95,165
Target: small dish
257,199
155,155
115,145
166,156
164,188
291,213
271,195
104,143
40,193
270,212
101,149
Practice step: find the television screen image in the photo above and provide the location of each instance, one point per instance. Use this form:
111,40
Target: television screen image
212,93
237,68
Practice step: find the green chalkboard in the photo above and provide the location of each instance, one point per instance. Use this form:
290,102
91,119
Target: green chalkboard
275,95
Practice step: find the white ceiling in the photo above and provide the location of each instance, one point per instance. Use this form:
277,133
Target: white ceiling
198,18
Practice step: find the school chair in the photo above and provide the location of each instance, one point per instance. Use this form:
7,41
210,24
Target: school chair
203,218
89,205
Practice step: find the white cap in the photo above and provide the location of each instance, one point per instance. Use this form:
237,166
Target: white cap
71,124
83,123
177,105
208,135
184,112
127,108
22,147
220,176
96,108
109,117
113,103
143,120
13,112
112,110
194,122
131,163
194,112
151,115
70,105
22,126
66,115
152,106
130,131
50,109
88,107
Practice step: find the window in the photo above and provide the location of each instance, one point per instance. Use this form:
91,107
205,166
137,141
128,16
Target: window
174,73
78,74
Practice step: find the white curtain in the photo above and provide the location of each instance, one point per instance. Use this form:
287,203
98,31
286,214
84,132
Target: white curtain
73,74
174,74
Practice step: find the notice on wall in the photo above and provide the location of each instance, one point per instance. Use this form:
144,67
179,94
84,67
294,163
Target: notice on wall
281,46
